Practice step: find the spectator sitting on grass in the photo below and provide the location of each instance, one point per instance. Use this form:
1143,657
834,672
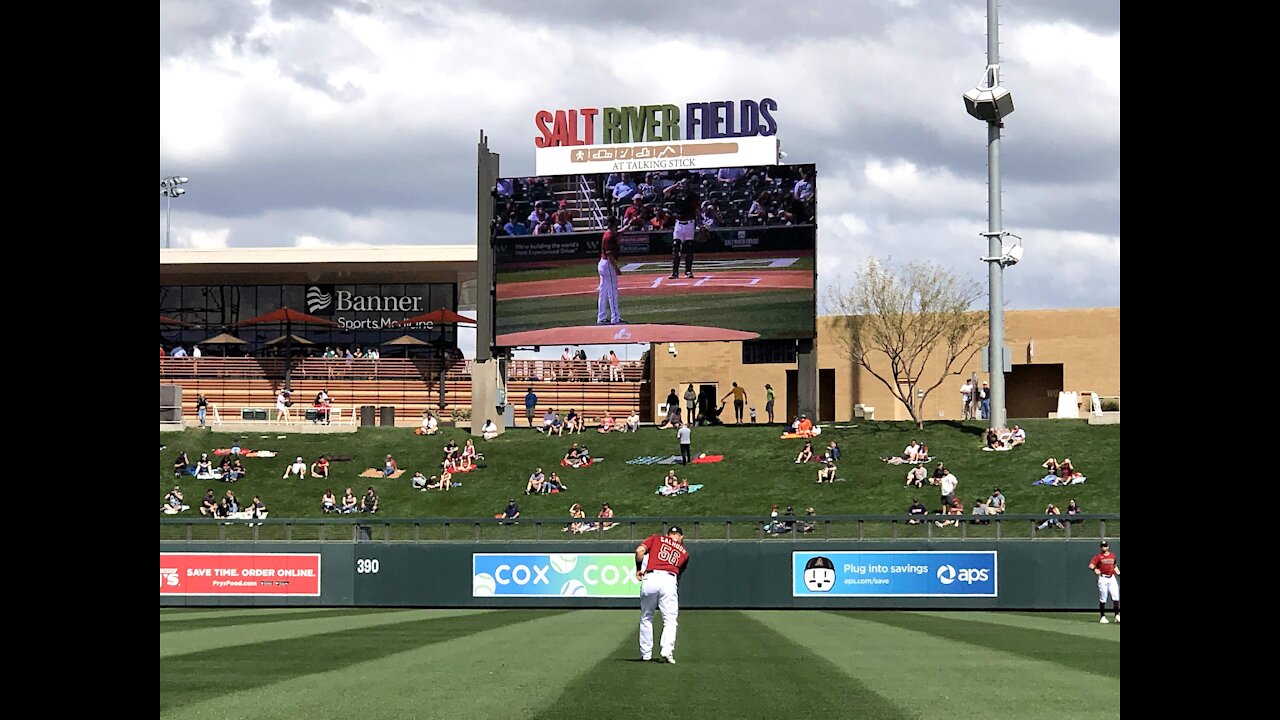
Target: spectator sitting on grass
204,467
418,481
430,425
806,453
554,484
320,468
833,449
993,440
444,484
298,468
369,503
572,421
451,449
490,430
557,427
209,503
827,473
237,470
980,508
535,482
995,503
808,525
915,511
349,502
1067,471
606,423
573,458
633,422
917,476
547,420
181,465
389,466
578,514
257,509
1050,467
956,508
510,513
922,454
328,503
908,454
1051,517
464,464
1073,509
174,502
469,450
1017,436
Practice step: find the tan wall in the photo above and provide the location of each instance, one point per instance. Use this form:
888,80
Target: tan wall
1085,341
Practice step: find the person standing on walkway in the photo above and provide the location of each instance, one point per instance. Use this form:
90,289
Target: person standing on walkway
739,399
768,401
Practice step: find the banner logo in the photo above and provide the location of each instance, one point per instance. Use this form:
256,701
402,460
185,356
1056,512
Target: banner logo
318,299
551,575
895,574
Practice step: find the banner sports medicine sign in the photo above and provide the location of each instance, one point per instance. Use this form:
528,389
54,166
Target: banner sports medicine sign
656,137
546,575
894,574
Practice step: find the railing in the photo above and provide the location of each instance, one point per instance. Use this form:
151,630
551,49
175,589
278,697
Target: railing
372,528
394,369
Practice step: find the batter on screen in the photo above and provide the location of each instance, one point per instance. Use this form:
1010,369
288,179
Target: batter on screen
659,582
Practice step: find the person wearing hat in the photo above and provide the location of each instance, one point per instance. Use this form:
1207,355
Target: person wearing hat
607,312
1104,565
660,561
510,513
984,400
298,468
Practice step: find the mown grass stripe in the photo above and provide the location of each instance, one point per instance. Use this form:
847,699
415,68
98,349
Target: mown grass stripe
1091,655
934,676
506,672
196,677
182,642
728,666
1084,624
168,614
241,619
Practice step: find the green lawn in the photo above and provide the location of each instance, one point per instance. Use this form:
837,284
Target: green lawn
772,313
757,471
549,664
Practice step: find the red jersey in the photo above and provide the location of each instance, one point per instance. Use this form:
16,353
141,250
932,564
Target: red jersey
1106,562
665,554
608,244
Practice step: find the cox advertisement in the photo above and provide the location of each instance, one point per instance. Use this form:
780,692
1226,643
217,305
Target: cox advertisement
544,575
894,574
295,574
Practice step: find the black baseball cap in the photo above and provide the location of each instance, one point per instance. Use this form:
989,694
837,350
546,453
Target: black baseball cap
819,562
1104,544
674,529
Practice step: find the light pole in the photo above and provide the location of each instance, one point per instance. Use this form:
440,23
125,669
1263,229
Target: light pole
170,190
990,103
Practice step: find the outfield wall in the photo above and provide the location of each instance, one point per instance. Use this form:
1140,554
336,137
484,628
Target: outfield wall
1009,574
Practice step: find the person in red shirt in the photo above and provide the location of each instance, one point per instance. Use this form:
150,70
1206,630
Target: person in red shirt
607,312
1104,566
667,561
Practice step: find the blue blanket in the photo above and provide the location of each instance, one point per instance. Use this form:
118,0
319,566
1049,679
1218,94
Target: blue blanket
692,489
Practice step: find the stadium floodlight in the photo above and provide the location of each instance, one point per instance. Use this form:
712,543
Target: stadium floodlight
169,190
1009,254
989,102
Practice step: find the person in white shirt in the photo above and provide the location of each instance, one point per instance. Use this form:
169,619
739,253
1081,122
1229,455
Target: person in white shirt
429,424
948,486
195,351
298,468
966,397
633,422
490,430
1017,436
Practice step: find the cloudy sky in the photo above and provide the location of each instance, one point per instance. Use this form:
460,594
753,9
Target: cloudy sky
342,122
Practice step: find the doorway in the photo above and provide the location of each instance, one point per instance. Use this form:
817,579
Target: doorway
1031,391
827,395
793,397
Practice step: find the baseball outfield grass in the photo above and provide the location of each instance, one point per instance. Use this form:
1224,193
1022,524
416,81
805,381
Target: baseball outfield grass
758,470
544,664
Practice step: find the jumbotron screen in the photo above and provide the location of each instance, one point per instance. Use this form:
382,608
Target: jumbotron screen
694,255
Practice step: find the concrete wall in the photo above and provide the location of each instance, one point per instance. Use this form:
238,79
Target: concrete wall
1085,341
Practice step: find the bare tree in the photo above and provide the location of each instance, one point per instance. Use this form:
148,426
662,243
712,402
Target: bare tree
901,323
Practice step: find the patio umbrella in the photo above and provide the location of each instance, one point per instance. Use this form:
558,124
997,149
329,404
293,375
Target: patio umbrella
166,320
439,316
223,339
406,341
296,339
289,318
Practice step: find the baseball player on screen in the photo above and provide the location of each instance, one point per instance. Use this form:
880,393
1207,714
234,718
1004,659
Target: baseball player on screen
1104,566
686,199
668,559
607,312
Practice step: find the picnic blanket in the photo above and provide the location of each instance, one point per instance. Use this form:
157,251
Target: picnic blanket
595,527
590,461
705,460
246,453
692,489
794,436
1053,480
654,460
999,449
376,473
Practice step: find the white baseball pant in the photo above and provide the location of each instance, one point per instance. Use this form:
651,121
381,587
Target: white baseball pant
659,591
1108,584
608,294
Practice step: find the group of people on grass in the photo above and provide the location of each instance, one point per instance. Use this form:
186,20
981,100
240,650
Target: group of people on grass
366,504
229,469
787,522
578,522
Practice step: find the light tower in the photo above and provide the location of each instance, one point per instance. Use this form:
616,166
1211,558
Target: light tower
170,190
990,103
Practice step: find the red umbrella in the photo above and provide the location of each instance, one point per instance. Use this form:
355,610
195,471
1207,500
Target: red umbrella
166,320
440,316
287,317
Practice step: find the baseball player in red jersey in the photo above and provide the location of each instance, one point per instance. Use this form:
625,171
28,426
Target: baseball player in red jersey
608,268
668,559
1104,566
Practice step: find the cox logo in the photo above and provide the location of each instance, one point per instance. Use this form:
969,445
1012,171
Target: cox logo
317,299
948,575
521,574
